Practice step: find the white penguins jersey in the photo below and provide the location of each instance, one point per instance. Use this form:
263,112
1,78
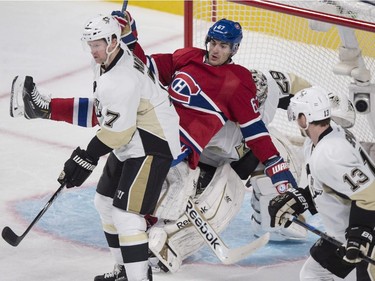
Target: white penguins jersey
339,171
227,146
134,112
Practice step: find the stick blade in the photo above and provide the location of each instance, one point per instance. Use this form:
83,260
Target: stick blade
10,237
235,255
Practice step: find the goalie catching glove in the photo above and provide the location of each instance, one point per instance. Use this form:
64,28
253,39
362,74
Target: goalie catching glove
278,171
77,169
295,201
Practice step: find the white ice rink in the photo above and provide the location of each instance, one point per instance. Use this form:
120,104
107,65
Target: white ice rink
42,39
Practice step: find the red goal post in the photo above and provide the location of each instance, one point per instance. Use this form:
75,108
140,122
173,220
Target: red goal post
278,36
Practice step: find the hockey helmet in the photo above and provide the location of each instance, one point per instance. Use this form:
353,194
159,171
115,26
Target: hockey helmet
260,81
312,102
226,31
101,27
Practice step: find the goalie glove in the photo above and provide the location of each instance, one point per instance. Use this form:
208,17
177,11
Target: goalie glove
278,171
295,201
129,34
77,168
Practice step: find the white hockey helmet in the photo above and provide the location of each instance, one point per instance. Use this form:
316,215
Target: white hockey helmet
312,102
101,27
260,81
342,110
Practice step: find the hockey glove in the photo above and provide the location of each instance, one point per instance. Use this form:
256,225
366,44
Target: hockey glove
77,169
295,201
358,239
129,34
278,171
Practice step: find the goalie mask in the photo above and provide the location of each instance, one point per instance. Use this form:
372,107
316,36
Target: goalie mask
312,102
260,81
226,31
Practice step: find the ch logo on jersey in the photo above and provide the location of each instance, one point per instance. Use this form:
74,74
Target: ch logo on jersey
183,88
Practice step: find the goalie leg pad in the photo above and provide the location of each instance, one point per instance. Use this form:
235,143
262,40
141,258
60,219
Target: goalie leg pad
163,249
220,203
223,198
260,220
179,185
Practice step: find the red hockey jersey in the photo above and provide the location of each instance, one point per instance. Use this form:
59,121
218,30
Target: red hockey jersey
207,96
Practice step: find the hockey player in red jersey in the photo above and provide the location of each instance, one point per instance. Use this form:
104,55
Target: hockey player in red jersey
207,85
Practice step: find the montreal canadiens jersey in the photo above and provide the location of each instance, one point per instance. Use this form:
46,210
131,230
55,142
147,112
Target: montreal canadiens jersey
134,112
206,97
227,145
339,171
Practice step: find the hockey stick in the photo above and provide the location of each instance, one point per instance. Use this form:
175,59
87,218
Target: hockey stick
12,238
124,6
213,240
327,237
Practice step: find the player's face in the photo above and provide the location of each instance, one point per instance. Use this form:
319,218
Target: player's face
218,52
98,49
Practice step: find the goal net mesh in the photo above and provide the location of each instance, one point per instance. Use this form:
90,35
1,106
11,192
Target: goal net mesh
277,41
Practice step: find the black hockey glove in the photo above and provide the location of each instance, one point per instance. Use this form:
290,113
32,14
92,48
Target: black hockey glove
358,239
295,201
77,169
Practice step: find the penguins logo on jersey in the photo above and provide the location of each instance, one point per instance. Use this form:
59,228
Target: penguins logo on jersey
183,88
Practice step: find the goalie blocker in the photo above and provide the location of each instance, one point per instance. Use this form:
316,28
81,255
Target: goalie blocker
264,191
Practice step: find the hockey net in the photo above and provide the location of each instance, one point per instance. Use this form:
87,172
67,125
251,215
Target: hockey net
275,40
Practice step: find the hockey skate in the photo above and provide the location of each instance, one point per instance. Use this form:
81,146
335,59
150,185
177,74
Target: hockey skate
119,274
25,99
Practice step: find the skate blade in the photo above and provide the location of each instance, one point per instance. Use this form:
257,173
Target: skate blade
16,101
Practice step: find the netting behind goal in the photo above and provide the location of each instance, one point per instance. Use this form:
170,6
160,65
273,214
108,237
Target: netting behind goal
277,41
